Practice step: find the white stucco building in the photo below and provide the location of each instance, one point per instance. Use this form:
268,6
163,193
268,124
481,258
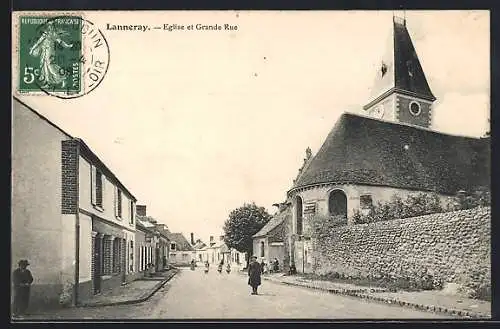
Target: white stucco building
72,218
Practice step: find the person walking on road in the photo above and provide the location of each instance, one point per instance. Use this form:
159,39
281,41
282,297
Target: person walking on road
22,282
254,273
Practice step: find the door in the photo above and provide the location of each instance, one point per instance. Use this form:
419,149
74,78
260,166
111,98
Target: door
96,280
157,254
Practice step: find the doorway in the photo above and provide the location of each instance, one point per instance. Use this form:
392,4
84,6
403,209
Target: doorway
96,280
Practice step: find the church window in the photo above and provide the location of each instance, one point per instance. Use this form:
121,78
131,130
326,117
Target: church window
365,201
337,203
414,108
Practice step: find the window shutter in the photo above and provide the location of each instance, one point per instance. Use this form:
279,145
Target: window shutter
103,192
116,201
132,212
93,184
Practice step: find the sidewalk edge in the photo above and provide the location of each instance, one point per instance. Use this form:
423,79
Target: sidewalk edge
144,297
386,300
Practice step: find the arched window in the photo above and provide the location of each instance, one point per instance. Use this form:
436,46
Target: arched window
337,203
262,249
299,215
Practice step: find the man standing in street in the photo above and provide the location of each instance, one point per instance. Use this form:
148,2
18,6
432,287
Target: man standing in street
22,282
254,272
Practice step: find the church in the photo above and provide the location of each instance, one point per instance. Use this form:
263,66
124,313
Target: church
390,149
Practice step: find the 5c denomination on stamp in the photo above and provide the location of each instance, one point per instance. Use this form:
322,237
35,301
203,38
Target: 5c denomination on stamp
63,56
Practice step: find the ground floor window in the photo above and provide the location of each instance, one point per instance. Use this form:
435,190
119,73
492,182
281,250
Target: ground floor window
131,256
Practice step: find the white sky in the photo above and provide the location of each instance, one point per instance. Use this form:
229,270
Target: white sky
197,123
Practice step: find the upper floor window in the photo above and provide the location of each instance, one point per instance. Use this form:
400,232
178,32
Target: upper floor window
96,187
299,214
172,246
131,212
118,203
262,248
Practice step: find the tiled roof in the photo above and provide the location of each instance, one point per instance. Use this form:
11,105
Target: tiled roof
180,241
273,223
362,150
199,245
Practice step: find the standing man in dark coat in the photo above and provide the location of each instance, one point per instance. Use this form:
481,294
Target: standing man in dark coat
22,281
254,272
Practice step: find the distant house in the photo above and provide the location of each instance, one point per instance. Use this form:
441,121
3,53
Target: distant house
200,251
218,251
269,242
145,245
181,252
155,245
72,217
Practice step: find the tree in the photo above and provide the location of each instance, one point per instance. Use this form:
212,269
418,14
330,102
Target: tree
242,224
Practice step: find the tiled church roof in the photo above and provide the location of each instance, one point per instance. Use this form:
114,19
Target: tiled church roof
362,150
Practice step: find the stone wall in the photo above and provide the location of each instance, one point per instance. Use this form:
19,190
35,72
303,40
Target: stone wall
452,247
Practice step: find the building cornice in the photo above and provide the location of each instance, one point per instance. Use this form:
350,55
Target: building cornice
107,221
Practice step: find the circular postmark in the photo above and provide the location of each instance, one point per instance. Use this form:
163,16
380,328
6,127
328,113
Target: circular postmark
73,56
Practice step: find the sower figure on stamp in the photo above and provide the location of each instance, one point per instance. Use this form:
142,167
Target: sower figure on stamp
254,272
44,48
22,281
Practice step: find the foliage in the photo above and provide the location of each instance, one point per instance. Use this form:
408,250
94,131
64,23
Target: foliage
479,198
320,226
478,280
412,206
242,224
406,283
421,204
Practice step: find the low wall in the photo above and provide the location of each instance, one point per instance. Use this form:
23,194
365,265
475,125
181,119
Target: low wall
452,247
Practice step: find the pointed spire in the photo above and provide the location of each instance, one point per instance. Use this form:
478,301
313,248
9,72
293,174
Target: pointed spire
400,70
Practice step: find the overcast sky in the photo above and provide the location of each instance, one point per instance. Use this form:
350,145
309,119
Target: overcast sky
197,123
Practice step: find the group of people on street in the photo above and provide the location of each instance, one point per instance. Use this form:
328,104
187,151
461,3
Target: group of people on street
219,267
273,268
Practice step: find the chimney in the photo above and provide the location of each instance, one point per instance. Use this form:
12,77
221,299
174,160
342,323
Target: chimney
140,210
192,238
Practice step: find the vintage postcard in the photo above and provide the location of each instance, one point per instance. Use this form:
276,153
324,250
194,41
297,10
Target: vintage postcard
250,165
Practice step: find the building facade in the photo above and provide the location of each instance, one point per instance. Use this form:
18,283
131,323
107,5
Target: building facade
68,210
269,242
153,252
181,252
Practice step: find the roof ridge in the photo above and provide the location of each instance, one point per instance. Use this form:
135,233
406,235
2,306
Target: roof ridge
361,115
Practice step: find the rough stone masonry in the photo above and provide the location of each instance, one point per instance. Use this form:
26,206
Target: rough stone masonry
452,247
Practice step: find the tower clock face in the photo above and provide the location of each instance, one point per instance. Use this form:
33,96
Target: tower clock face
378,112
414,108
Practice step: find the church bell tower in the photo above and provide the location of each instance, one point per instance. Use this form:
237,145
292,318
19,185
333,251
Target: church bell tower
401,92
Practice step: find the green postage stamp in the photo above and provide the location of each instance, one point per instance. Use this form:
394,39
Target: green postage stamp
62,56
